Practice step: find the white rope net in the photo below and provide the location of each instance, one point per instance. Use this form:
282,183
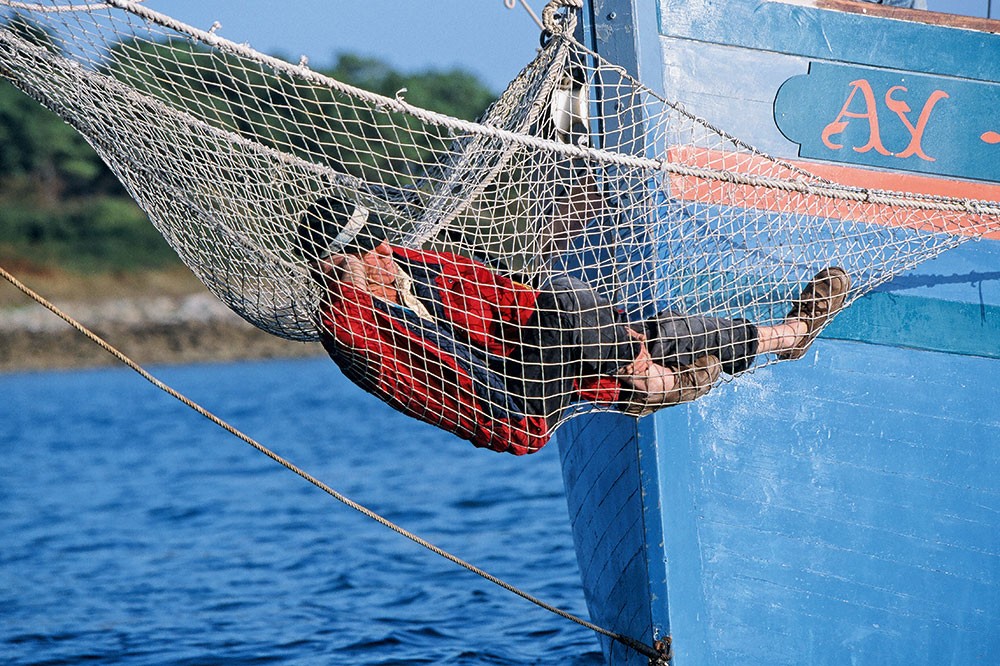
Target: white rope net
579,184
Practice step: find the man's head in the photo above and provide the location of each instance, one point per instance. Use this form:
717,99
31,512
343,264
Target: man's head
331,225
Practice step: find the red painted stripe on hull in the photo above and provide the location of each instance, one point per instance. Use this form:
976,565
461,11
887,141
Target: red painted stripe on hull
717,192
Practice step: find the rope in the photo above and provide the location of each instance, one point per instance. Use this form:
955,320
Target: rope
567,24
31,7
820,188
510,4
655,656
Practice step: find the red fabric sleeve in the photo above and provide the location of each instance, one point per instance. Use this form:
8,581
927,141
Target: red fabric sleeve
602,390
386,358
486,305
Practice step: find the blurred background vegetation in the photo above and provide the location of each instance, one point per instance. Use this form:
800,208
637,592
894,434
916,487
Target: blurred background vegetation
62,209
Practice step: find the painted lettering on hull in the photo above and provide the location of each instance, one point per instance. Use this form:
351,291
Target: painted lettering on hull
893,120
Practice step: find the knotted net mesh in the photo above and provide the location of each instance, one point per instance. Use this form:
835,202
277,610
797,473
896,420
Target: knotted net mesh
594,204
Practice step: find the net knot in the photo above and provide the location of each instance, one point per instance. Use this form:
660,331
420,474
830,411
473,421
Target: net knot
560,24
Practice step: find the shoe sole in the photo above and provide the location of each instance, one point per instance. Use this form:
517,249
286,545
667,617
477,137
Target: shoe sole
834,276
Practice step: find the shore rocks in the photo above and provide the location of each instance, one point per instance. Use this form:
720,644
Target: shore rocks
151,330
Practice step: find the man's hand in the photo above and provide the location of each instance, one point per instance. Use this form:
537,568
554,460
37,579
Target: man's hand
374,272
642,362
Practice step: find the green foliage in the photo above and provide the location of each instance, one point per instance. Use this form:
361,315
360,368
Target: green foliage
89,234
60,204
294,116
454,93
40,152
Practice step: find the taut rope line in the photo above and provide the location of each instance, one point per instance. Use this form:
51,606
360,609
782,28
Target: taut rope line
655,656
819,188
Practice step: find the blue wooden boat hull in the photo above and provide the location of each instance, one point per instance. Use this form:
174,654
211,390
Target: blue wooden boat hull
844,508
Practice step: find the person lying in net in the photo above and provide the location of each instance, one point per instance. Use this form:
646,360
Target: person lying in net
446,340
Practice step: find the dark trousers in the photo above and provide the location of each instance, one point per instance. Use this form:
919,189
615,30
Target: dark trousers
576,333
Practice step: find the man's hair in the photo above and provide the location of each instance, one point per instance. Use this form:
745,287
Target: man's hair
331,225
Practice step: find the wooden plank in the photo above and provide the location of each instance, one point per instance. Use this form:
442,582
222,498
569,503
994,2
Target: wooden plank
839,509
902,13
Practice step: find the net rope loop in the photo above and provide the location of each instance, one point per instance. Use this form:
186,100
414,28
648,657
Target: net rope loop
606,218
564,24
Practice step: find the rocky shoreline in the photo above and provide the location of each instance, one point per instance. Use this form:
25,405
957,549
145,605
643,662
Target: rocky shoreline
151,330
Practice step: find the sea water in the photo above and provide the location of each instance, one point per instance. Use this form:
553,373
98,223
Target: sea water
134,531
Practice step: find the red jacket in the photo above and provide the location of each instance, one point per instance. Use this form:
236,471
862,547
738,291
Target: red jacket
437,372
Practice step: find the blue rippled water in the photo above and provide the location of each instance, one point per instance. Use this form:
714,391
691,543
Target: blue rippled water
133,531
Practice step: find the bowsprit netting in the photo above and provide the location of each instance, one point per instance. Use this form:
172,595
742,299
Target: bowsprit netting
576,174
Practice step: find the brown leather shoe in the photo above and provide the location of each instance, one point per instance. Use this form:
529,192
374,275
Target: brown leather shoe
690,383
819,301
697,379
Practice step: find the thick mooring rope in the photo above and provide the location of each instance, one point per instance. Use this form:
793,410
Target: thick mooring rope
656,656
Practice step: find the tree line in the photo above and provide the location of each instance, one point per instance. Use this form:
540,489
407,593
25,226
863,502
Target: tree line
61,206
